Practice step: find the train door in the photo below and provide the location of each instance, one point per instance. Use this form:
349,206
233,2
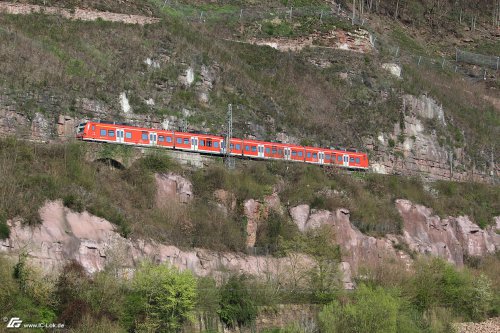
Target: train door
119,135
346,160
321,157
260,150
153,137
194,143
288,153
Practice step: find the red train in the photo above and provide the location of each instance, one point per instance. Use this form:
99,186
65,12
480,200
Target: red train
211,144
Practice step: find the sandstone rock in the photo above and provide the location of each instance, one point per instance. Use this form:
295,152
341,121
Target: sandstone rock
357,249
253,214
76,14
300,215
65,235
226,200
66,127
170,187
40,127
394,69
421,152
425,107
273,202
450,238
187,78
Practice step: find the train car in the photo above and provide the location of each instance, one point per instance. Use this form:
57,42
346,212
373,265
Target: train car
298,153
315,155
206,143
209,143
165,139
351,159
277,151
124,134
253,148
236,147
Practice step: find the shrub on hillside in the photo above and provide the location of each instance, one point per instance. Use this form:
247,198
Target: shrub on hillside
369,310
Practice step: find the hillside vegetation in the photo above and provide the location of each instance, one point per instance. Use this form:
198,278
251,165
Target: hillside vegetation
34,173
273,92
162,299
51,66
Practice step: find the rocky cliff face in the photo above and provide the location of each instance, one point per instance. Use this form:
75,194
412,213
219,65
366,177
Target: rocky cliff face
65,235
451,238
93,242
412,148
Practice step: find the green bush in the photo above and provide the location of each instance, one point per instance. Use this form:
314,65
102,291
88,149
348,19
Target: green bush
370,310
162,299
237,309
466,296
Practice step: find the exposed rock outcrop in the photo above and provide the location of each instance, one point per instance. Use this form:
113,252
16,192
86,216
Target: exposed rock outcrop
76,14
412,149
65,235
356,41
170,187
450,238
256,212
356,247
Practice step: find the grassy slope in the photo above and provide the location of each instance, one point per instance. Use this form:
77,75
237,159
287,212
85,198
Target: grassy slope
277,91
31,174
273,91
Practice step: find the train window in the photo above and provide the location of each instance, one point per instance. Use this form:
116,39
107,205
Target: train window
93,127
351,160
247,148
274,150
144,135
280,151
254,149
161,138
111,133
216,144
309,155
327,157
103,132
186,141
231,146
128,135
294,153
169,139
315,155
238,147
339,158
299,153
357,160
202,143
179,140
268,150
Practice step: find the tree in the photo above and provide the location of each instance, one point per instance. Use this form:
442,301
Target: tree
236,306
162,299
370,310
